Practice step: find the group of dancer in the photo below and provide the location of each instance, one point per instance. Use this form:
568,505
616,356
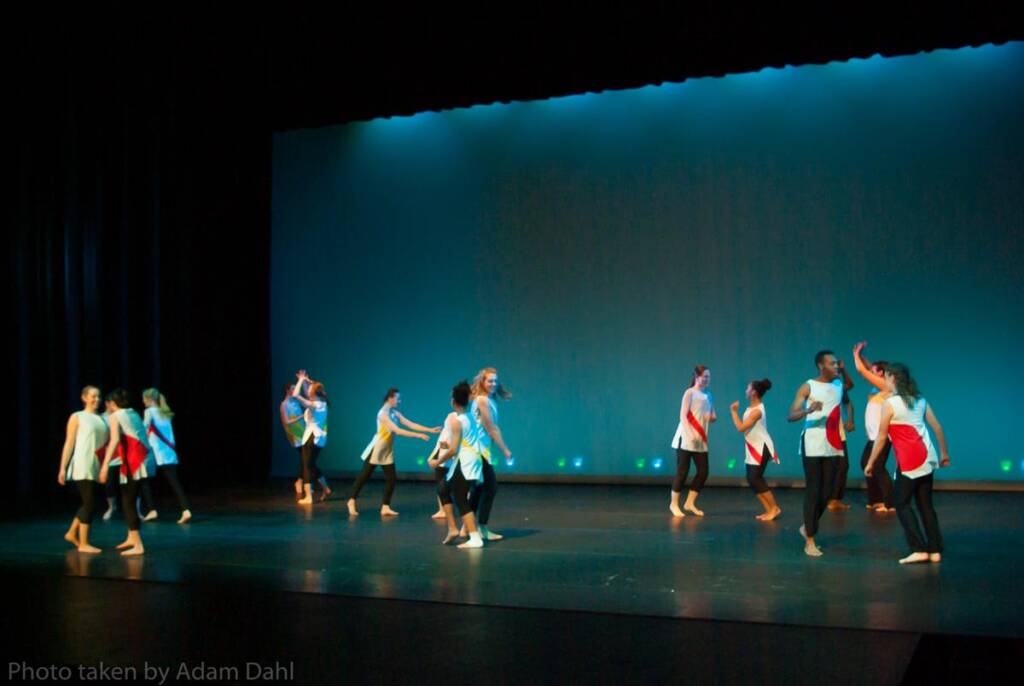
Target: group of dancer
139,448
896,416
461,458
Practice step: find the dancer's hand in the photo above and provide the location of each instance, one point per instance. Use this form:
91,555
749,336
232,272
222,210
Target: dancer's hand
508,454
444,445
848,425
859,347
814,406
423,437
103,475
734,406
435,429
944,462
61,477
869,469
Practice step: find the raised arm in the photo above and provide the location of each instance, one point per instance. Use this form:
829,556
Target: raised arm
489,426
394,428
849,424
744,425
929,417
797,411
864,367
69,447
847,381
417,427
883,436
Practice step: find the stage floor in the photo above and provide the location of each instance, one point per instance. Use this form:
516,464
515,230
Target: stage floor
608,549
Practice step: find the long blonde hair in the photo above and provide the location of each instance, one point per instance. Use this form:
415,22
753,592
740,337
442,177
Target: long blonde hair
478,385
158,397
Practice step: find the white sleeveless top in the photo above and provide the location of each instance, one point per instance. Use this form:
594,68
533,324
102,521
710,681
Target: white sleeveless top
469,455
90,439
692,432
915,454
757,438
822,434
483,443
131,426
381,448
873,415
158,425
444,437
316,423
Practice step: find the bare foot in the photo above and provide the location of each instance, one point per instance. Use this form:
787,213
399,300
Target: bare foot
935,557
305,501
834,506
298,487
386,511
843,506
694,510
462,531
71,538
438,515
676,512
324,494
452,535
489,535
914,558
770,515
473,543
125,544
874,506
131,552
88,549
351,507
185,516
150,516
812,550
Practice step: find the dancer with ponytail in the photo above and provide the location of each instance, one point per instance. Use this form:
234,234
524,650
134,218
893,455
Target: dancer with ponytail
879,483
458,450
759,446
486,388
111,489
904,418
314,438
696,413
128,441
381,450
84,441
157,420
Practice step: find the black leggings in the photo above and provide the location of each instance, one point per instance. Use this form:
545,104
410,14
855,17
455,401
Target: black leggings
443,492
310,453
316,475
389,480
461,490
820,474
683,467
148,503
755,473
170,472
842,470
113,484
87,491
482,499
129,492
879,483
920,490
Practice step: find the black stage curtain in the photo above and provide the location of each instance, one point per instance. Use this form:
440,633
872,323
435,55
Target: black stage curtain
141,243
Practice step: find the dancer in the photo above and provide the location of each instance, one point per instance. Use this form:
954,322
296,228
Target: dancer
85,439
817,403
128,440
696,412
291,413
458,448
381,450
880,482
486,388
157,420
760,448
903,422
111,489
314,438
846,427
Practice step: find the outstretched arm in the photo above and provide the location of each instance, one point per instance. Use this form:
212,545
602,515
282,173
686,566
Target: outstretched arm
849,425
69,446
490,427
929,417
864,367
744,425
797,411
417,427
395,429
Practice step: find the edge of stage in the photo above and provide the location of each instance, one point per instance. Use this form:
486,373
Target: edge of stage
596,558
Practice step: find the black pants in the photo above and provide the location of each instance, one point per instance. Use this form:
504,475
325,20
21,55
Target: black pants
113,484
389,480
443,492
879,483
683,458
129,492
820,474
482,499
148,503
842,472
87,492
461,491
170,472
755,473
310,453
316,475
920,490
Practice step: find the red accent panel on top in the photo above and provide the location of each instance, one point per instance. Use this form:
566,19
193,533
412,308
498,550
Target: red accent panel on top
696,426
832,429
911,452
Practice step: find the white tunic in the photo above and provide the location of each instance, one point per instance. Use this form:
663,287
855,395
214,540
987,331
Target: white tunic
822,433
692,432
915,454
381,448
90,441
469,456
757,438
159,425
132,429
483,442
316,423
444,437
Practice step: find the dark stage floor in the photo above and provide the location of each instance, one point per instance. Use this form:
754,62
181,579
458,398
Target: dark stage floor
610,559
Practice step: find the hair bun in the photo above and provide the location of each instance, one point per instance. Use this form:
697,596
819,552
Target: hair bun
767,384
